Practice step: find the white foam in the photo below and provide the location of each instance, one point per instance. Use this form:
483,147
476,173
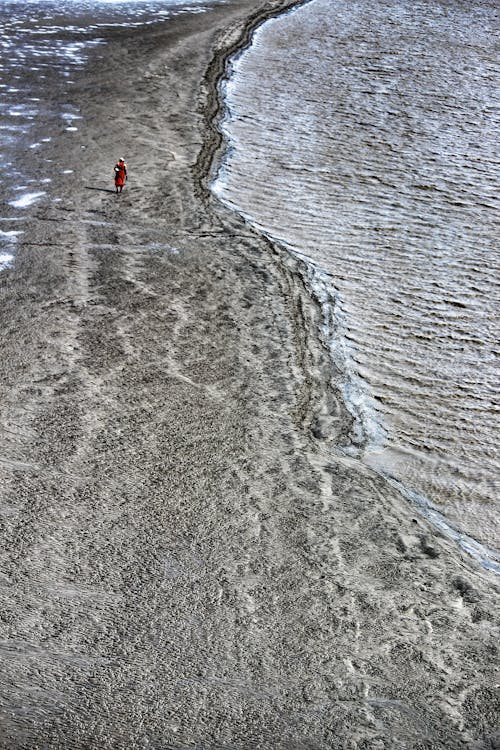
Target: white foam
22,110
5,260
26,200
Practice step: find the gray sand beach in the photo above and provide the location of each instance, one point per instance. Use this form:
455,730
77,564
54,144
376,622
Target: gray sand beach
186,562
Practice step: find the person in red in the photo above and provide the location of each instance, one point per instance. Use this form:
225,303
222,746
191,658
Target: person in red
120,175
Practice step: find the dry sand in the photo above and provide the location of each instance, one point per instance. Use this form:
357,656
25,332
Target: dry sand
186,563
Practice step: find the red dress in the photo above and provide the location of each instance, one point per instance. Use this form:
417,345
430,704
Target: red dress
120,174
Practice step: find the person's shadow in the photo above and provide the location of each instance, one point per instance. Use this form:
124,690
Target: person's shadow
101,190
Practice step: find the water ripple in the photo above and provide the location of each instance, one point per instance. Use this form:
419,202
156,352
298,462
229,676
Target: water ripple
364,137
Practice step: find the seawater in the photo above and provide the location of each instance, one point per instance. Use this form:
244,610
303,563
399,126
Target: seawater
363,136
43,43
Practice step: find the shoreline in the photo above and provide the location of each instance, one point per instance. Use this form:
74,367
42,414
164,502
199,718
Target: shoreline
208,164
185,563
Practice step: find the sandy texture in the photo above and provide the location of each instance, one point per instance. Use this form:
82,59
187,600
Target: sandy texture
185,561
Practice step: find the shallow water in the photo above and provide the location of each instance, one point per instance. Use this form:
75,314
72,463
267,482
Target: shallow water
362,135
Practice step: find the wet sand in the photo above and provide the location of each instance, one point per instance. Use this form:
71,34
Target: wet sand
186,562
